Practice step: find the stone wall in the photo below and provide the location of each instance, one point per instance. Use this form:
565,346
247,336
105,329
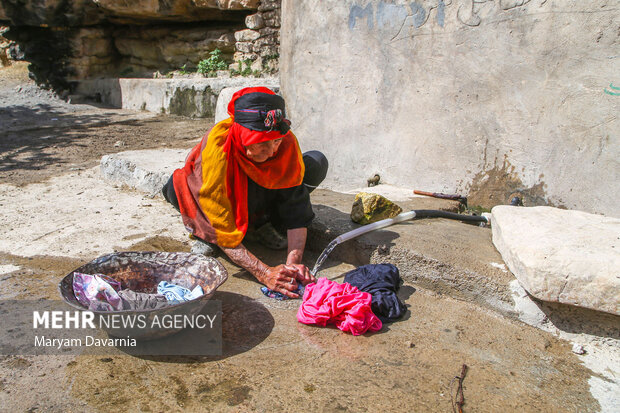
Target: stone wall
5,44
484,98
258,46
70,40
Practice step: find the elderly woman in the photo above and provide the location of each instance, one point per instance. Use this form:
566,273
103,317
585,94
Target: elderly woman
246,178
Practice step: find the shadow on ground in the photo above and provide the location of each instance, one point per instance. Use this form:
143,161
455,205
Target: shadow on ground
247,324
36,142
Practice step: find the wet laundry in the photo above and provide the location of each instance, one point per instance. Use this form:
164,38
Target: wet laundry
99,292
382,281
176,293
328,302
279,296
133,300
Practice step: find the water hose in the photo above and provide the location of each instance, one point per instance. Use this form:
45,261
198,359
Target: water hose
405,216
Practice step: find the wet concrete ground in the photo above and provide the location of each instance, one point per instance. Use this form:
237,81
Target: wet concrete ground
270,362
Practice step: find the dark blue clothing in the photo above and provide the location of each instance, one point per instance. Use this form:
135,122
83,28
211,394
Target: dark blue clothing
382,281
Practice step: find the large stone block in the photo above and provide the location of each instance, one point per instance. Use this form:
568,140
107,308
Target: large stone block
244,47
146,171
570,257
266,5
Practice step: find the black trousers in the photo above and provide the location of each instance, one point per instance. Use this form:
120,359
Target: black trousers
316,169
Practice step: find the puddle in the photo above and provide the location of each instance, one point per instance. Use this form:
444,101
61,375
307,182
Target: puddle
602,351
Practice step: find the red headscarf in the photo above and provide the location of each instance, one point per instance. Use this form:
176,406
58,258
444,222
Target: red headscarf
212,187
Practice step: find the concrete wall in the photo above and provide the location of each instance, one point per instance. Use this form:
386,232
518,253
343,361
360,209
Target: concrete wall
195,97
489,98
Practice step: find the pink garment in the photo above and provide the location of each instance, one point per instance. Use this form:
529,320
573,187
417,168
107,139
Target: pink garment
97,292
341,304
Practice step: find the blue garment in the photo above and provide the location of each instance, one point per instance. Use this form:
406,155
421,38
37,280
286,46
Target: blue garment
279,296
177,293
382,281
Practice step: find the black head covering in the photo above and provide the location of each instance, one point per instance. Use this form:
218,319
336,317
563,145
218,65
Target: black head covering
262,112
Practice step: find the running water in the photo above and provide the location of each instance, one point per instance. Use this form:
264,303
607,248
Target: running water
405,216
357,232
330,247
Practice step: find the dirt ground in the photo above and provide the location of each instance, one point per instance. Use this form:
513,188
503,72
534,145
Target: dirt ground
42,136
270,362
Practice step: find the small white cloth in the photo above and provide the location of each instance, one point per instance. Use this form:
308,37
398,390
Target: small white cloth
176,293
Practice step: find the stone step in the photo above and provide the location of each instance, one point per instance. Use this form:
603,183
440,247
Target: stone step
146,171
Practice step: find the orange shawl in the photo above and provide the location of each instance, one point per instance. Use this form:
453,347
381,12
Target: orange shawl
212,187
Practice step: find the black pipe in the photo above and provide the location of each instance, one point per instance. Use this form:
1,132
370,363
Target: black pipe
433,213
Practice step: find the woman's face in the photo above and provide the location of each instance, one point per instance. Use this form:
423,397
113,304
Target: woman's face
260,152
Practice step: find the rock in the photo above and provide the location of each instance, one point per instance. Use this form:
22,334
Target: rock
578,349
267,5
172,10
51,13
168,48
244,47
228,4
142,170
571,257
91,39
247,35
368,208
254,22
257,65
373,180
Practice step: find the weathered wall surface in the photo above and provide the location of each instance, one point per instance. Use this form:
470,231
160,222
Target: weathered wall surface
488,98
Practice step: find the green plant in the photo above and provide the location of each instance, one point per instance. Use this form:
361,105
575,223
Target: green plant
271,57
209,67
247,71
183,70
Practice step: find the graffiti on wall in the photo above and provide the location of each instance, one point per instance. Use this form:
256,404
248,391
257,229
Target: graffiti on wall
416,14
413,14
613,90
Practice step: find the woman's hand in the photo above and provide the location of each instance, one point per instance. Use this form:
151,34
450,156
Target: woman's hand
282,279
303,274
